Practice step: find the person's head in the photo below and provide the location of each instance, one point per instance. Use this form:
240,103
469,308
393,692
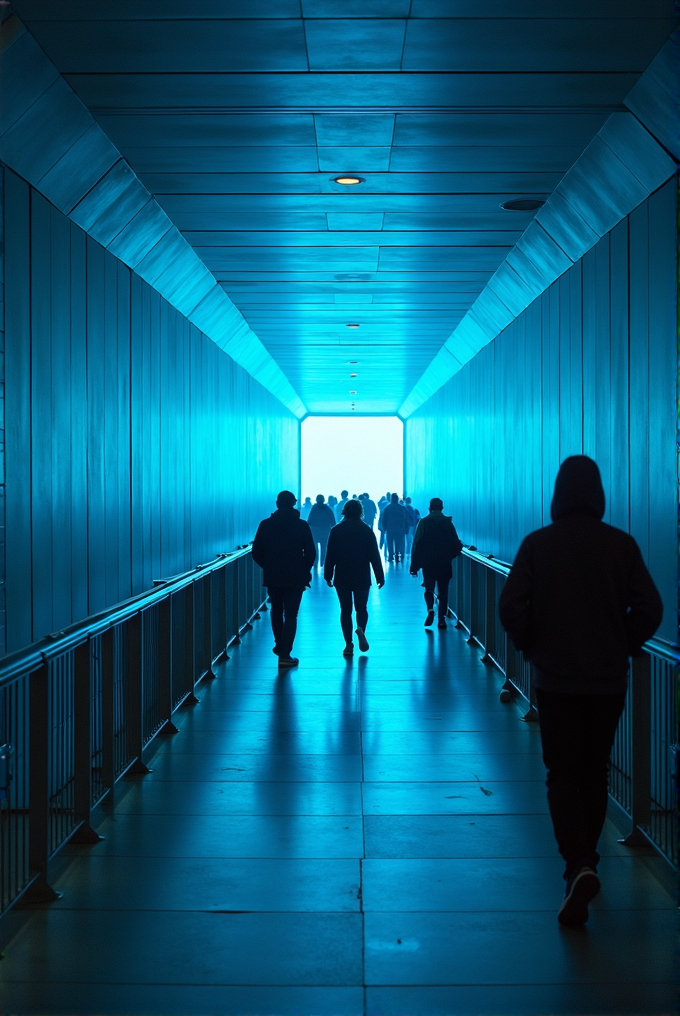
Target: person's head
436,504
343,494
353,509
354,497
408,500
286,499
388,495
578,489
365,496
361,497
320,499
308,500
395,498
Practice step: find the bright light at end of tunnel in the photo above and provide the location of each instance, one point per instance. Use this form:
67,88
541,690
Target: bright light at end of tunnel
353,452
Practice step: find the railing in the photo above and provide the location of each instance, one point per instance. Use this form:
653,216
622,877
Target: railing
79,708
644,761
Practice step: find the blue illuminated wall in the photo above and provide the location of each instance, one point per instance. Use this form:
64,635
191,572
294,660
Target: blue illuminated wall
589,367
135,447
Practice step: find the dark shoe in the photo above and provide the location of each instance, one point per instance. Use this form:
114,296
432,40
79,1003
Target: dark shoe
363,641
288,661
429,619
441,623
275,651
349,649
582,887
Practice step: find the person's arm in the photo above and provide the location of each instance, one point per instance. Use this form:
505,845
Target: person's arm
331,556
456,545
308,549
416,548
514,604
645,607
376,561
257,551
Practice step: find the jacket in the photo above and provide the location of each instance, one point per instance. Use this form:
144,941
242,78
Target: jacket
284,549
370,511
579,600
321,517
394,518
435,544
352,550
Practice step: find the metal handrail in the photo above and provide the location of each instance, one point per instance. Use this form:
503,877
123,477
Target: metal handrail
25,660
667,651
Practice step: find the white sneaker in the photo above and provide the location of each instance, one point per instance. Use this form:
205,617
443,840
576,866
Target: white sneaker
581,889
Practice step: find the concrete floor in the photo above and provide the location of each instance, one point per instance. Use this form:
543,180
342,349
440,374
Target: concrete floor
351,837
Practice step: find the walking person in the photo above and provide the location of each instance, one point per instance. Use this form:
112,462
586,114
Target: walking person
382,505
579,602
413,519
340,505
306,508
352,552
321,520
284,549
435,545
370,510
395,526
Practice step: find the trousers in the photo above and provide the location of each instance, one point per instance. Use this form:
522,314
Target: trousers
395,544
320,537
360,597
285,604
432,579
577,734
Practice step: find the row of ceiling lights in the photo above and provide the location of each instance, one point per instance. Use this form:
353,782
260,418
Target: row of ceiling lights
514,205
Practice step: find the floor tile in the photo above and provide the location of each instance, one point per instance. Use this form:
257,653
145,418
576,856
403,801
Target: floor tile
248,768
192,798
510,798
479,767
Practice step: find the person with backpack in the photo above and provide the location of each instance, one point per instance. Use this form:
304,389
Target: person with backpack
352,552
435,545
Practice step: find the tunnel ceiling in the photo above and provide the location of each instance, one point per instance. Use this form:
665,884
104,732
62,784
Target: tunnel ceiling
238,114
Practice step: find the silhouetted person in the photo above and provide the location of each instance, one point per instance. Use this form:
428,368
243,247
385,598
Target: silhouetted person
395,526
321,521
284,549
370,510
578,602
340,505
435,544
352,551
382,505
332,502
306,508
412,523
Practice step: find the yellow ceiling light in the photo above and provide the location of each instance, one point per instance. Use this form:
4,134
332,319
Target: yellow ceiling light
351,326
348,181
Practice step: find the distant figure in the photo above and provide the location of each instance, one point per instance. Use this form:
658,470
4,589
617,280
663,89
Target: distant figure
352,551
382,504
306,508
321,521
340,505
578,602
435,545
370,510
332,502
395,525
413,520
284,549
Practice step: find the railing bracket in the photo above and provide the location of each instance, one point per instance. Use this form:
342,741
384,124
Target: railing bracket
40,892
138,768
85,834
168,729
531,716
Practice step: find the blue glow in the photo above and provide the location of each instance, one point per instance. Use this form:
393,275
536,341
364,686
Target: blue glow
355,453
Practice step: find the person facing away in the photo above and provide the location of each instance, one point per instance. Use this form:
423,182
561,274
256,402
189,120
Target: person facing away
412,523
332,502
352,552
579,602
395,527
435,545
340,505
306,508
370,510
284,549
321,521
382,504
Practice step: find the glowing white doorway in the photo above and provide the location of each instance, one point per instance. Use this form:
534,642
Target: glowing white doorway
353,453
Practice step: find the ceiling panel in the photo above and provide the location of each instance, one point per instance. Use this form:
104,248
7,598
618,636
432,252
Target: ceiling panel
238,114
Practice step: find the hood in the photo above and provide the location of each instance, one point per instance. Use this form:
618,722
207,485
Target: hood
578,489
285,514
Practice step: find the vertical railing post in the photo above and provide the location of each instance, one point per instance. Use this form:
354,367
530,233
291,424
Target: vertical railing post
135,697
490,615
165,665
474,596
223,577
108,715
40,890
207,626
190,642
641,750
82,762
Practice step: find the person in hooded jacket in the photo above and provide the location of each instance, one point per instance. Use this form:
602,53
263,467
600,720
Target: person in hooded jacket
435,544
578,602
352,552
321,520
284,549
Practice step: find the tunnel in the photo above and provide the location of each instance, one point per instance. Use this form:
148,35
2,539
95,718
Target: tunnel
226,225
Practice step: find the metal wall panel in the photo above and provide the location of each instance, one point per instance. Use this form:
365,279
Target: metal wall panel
136,448
589,366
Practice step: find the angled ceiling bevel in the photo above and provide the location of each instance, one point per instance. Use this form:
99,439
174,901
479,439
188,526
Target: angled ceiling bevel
237,115
49,138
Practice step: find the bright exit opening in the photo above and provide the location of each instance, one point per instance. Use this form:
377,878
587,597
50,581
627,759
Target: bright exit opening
353,453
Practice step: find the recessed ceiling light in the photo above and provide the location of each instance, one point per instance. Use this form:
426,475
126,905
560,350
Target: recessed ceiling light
351,326
522,205
353,375
352,393
348,181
